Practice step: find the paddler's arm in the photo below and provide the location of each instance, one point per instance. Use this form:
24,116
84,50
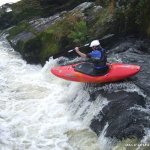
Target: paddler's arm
80,53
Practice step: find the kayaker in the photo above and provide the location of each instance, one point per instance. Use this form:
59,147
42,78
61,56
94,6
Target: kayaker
98,56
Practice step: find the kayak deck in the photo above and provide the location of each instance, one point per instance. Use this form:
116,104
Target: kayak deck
117,71
89,69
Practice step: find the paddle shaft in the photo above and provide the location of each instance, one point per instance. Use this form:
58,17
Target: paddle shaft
71,50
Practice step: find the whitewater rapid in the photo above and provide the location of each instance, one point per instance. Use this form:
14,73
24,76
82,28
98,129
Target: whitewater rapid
39,111
34,112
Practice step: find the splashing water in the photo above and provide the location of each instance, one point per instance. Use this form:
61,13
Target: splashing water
39,111
33,113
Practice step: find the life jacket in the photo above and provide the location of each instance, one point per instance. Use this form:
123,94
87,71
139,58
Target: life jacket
98,59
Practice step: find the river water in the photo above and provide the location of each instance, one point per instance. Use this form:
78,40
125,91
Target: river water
34,107
39,111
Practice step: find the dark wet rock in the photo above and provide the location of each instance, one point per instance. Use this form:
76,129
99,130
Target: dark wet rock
82,7
123,120
33,9
37,25
126,113
42,24
23,36
7,20
60,5
135,51
36,30
129,124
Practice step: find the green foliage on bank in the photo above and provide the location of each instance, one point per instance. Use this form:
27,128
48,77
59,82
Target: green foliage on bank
73,27
23,26
74,30
129,16
49,44
134,16
26,9
29,9
70,31
103,23
79,34
103,3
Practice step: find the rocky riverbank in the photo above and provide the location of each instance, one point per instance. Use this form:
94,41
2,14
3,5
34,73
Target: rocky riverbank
127,113
40,30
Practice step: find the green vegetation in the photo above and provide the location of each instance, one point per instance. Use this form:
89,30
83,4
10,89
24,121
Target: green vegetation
67,32
23,26
79,34
129,16
103,23
115,17
73,28
26,9
103,3
29,9
22,10
19,47
49,44
70,31
133,16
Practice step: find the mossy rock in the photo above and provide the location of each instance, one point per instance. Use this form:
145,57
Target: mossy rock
30,50
102,24
23,26
31,9
76,29
50,45
61,35
66,33
21,29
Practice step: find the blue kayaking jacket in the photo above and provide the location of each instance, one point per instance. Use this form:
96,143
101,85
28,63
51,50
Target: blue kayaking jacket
99,58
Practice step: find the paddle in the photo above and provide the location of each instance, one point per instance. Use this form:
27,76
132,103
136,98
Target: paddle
71,50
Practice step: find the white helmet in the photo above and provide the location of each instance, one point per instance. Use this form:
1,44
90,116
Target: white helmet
95,43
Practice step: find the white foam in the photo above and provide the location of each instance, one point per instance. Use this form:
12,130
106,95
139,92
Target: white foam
33,107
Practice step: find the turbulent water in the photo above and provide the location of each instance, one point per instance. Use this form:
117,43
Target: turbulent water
39,111
34,108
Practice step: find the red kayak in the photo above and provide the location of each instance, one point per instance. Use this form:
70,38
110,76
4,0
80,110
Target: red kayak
116,72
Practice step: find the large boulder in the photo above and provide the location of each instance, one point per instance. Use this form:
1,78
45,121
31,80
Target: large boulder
124,121
29,9
57,32
119,110
126,114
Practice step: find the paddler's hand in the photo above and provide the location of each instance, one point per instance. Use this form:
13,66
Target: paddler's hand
80,53
77,49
